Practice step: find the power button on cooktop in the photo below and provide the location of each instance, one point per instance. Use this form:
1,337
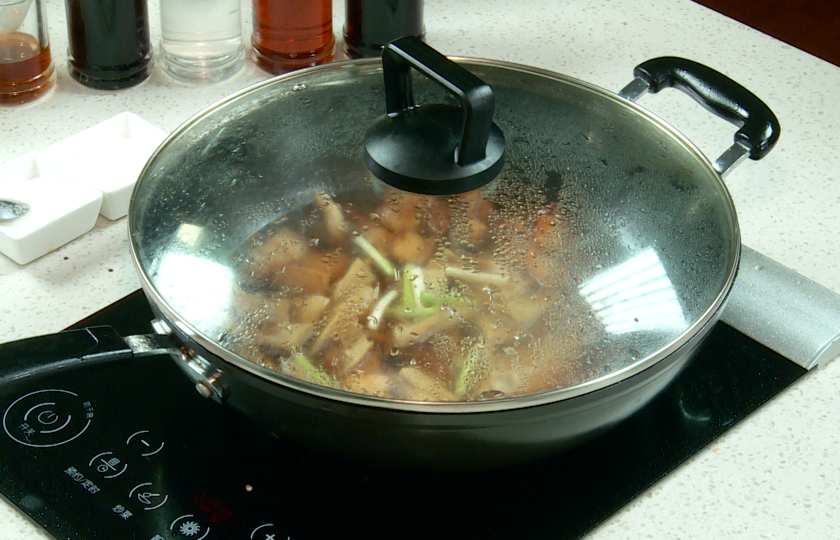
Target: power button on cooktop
47,418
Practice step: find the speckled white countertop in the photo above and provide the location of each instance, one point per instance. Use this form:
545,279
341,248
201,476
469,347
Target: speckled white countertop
776,474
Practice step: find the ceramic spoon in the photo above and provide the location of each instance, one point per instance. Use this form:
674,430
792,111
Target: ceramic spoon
10,209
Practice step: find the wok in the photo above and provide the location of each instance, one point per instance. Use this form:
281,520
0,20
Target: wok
645,199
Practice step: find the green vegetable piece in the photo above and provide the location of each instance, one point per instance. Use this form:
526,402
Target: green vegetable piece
413,287
315,373
378,258
418,303
431,301
410,314
468,378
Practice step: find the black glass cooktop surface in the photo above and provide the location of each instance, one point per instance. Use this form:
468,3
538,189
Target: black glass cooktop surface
131,450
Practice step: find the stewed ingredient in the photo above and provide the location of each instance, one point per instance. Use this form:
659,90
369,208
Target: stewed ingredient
417,297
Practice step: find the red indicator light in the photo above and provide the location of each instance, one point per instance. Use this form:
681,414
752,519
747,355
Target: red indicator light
213,508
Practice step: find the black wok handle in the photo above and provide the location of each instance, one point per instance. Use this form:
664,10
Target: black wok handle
31,357
475,96
759,127
434,149
46,355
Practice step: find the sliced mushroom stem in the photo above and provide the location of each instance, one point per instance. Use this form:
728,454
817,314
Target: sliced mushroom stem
375,317
478,278
336,224
413,285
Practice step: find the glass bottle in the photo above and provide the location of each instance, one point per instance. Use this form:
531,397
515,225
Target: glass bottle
201,40
109,44
26,66
371,24
292,34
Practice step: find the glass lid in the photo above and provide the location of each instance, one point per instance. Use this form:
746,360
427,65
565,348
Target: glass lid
605,242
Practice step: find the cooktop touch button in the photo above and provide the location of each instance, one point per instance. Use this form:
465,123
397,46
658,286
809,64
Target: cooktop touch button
150,497
187,526
47,418
265,532
108,464
144,442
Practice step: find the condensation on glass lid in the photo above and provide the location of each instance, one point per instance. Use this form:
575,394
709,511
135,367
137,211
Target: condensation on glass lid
468,297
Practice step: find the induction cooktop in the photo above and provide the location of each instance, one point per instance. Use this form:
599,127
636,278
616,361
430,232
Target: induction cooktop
131,450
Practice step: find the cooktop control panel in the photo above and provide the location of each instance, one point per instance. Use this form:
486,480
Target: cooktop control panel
118,458
131,450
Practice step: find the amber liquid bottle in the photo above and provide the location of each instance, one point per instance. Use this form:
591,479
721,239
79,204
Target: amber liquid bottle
109,45
26,68
292,34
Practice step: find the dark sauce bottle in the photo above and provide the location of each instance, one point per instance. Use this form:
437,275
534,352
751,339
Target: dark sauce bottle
109,45
371,24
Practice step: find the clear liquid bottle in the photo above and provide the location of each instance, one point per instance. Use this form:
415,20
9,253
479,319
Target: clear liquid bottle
26,67
109,44
201,40
292,34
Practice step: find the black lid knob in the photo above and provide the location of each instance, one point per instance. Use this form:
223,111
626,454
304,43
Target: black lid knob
433,149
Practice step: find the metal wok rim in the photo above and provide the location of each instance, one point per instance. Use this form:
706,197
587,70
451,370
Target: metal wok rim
437,407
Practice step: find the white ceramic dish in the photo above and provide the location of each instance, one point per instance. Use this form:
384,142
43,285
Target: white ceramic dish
109,156
62,207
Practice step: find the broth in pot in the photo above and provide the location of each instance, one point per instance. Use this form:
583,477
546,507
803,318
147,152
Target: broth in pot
416,297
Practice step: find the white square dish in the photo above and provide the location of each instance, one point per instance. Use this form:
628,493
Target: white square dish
109,156
62,207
